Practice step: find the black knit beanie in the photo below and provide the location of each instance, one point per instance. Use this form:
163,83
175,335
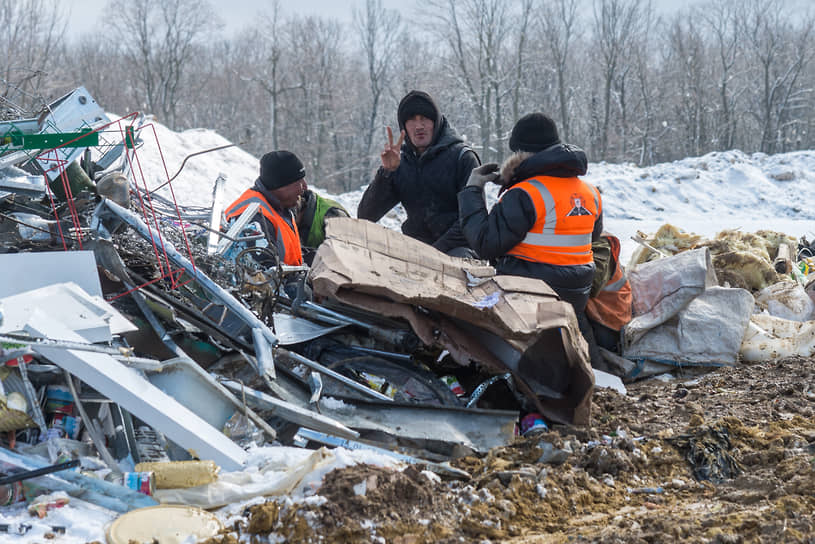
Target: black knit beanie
280,168
533,132
416,103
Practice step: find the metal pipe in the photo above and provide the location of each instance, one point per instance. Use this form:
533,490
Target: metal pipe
38,472
215,290
328,372
116,353
263,353
96,436
396,337
380,353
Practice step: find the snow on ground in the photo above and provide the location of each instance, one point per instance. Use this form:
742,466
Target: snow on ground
83,522
703,195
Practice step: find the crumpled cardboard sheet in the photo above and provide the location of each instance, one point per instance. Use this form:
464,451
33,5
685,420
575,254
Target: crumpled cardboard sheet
506,323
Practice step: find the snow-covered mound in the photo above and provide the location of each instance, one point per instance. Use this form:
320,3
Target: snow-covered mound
714,185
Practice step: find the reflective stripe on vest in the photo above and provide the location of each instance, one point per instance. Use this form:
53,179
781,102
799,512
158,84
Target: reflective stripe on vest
566,209
618,279
288,239
612,305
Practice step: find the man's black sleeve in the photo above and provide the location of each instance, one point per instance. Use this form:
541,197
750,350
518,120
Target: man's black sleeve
598,227
336,212
453,237
492,234
379,198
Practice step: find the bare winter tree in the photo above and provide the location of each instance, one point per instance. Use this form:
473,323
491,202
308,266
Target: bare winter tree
159,38
616,27
379,30
780,50
721,20
689,60
476,33
267,66
649,94
558,22
522,63
226,100
315,119
109,85
31,33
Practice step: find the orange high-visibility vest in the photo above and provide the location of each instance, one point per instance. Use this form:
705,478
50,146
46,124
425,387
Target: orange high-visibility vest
566,209
287,236
612,305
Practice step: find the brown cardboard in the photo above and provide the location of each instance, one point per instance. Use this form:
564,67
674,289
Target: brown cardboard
506,323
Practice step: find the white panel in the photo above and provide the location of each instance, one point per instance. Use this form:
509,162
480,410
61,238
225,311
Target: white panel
26,271
138,396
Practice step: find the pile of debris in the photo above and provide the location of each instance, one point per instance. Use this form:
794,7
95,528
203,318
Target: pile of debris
740,296
145,356
147,359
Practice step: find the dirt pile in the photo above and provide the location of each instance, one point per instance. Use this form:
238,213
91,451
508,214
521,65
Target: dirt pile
723,457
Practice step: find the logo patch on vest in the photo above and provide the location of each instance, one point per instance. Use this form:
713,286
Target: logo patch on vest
577,206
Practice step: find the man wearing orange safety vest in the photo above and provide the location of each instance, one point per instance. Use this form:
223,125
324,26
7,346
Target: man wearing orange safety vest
546,219
609,306
278,191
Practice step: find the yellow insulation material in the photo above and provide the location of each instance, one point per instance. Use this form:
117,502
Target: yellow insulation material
181,474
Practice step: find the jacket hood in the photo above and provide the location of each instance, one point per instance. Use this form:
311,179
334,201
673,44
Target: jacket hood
270,198
439,121
560,161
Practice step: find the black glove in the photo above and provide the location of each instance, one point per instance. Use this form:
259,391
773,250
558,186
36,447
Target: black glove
482,174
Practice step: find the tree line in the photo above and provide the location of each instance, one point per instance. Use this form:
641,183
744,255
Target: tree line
623,82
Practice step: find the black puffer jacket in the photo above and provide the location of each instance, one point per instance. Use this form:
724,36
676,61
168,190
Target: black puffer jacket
493,234
427,186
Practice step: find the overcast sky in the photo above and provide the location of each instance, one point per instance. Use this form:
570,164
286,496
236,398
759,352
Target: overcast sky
236,13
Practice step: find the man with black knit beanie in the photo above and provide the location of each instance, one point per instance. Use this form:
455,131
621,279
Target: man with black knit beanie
278,190
423,170
547,218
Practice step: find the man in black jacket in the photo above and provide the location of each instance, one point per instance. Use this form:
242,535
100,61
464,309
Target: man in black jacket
425,173
544,224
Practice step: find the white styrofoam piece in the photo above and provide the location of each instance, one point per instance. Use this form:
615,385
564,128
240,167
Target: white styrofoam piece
138,396
91,317
610,381
21,272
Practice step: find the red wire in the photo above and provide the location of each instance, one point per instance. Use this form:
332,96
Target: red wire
148,211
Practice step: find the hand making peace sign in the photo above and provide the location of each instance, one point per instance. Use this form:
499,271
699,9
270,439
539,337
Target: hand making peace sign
391,155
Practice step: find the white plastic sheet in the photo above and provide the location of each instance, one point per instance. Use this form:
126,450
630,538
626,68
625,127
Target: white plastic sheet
787,299
770,337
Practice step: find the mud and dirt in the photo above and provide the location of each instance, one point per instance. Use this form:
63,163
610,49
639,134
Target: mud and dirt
724,457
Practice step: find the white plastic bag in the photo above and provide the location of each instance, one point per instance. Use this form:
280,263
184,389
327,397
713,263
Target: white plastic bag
786,299
769,337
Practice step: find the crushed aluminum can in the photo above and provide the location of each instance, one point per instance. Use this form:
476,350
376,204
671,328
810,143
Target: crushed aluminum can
143,482
455,387
11,493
